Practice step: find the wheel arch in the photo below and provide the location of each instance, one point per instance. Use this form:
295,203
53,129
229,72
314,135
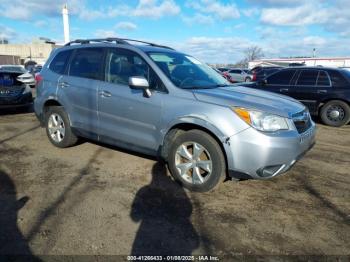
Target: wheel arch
53,102
187,125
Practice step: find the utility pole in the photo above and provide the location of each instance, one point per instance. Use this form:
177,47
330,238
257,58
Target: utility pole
65,23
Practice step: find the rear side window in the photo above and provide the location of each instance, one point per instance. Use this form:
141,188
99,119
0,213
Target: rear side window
281,78
307,78
337,79
323,79
87,63
60,61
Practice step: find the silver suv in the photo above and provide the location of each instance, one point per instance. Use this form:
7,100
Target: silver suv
155,100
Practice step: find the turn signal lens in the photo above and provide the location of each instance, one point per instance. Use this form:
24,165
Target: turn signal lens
244,114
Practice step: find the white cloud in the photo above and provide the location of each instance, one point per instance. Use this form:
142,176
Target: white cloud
276,3
26,10
250,12
220,10
332,16
7,33
101,33
301,15
154,9
215,50
126,26
40,23
198,19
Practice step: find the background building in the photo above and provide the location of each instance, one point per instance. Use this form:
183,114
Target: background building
39,50
319,61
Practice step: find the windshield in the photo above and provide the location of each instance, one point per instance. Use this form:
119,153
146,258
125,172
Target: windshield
187,72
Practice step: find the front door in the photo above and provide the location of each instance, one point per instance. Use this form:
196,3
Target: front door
280,82
126,116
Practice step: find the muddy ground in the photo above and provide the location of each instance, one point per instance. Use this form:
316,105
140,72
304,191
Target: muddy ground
95,199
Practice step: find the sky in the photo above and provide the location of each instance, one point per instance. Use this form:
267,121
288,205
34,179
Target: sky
214,31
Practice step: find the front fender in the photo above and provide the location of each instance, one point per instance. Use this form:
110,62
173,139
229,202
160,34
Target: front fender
202,123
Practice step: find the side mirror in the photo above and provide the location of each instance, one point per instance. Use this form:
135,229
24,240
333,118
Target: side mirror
139,82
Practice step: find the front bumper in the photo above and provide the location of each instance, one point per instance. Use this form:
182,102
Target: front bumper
261,156
19,101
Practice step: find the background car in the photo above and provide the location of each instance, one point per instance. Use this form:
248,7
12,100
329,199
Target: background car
260,73
13,92
24,76
325,91
240,75
223,69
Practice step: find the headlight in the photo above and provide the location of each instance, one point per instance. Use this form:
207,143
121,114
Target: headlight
261,120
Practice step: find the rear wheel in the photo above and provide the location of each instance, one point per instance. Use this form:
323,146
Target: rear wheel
196,160
335,113
58,127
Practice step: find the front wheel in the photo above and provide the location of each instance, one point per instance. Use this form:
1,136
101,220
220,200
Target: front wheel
335,113
248,79
58,127
196,160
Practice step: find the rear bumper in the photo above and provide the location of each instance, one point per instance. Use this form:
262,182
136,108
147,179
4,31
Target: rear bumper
262,156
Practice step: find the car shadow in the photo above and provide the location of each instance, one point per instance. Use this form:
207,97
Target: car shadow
163,210
12,242
17,110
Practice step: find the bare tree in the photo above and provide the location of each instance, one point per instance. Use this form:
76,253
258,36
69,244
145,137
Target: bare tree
253,53
250,54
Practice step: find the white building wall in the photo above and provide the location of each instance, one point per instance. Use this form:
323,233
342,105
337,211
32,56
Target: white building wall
326,62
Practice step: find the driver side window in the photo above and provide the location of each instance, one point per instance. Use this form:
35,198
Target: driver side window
121,64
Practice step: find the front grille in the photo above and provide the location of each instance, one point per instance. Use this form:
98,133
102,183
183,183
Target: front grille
10,92
302,121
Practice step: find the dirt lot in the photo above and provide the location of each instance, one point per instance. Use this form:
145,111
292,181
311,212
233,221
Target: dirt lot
94,199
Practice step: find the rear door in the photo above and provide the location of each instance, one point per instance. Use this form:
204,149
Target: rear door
77,89
311,86
126,116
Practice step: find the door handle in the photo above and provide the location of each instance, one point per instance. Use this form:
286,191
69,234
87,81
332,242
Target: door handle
63,84
322,91
284,89
105,94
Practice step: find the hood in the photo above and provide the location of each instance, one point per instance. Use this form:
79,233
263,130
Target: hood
251,99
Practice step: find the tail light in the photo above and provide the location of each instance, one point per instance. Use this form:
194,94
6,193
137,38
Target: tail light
254,76
38,79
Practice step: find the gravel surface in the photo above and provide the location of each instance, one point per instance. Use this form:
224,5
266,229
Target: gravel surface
94,199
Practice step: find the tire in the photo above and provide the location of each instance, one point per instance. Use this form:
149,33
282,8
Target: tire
248,79
63,129
209,174
335,113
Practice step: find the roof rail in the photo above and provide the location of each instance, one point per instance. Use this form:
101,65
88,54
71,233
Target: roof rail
97,40
123,41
